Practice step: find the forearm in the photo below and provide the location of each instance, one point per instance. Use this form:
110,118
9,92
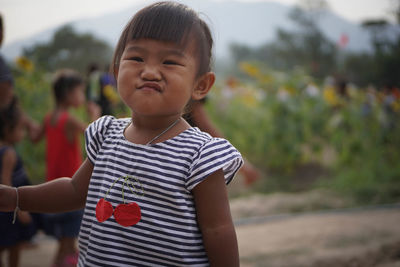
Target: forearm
56,196
221,245
62,194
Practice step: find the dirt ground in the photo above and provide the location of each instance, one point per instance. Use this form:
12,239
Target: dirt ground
269,235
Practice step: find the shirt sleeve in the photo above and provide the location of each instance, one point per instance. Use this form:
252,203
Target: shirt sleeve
95,134
216,154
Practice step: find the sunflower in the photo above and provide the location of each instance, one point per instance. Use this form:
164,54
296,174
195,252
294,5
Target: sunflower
24,64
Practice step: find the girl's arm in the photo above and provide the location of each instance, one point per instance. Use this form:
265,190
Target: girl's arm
215,221
75,127
37,134
59,195
35,131
8,162
202,120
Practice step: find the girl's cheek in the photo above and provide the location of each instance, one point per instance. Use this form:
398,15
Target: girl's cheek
79,99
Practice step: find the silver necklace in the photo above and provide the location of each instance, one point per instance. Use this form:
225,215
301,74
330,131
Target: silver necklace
163,132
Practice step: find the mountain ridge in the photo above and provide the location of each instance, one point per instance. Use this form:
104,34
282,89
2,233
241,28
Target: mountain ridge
252,24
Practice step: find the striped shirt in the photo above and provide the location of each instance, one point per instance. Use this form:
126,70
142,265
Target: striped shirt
161,177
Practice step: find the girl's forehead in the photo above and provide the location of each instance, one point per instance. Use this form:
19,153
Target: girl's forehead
149,45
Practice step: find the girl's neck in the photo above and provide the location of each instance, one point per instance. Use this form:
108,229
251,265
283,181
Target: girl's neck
150,123
61,107
142,130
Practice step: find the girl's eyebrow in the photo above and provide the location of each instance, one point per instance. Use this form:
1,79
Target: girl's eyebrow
164,52
133,48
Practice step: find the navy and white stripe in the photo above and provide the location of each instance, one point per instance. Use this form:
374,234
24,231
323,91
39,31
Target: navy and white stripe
168,233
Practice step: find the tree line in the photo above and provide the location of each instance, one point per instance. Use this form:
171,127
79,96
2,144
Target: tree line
308,47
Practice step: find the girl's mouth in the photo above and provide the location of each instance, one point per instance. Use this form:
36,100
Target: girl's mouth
150,86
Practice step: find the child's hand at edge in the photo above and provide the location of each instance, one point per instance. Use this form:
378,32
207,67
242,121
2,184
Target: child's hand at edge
24,217
250,173
8,198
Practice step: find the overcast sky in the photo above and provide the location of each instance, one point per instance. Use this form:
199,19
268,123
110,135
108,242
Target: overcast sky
26,17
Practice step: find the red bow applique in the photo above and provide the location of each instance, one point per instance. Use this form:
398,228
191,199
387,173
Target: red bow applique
124,214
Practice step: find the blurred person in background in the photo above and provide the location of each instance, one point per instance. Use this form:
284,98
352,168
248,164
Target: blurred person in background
197,117
6,79
100,88
63,156
7,89
13,231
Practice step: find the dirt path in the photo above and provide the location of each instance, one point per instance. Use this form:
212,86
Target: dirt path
359,238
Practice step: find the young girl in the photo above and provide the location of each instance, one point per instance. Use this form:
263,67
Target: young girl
63,157
154,189
12,173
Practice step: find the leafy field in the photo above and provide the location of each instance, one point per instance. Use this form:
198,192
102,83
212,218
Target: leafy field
304,135
301,134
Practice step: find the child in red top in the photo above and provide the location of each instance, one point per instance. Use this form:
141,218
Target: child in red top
63,156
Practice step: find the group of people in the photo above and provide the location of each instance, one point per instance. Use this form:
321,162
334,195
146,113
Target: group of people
63,158
153,187
62,132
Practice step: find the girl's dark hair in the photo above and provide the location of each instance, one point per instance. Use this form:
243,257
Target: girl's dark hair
171,22
9,117
65,81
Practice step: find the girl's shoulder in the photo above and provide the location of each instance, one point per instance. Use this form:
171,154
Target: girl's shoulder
100,128
8,155
201,141
203,137
57,119
106,122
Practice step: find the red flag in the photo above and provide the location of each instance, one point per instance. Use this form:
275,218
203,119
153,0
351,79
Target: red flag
343,40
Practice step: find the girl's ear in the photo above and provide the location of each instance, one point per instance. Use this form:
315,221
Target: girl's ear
203,85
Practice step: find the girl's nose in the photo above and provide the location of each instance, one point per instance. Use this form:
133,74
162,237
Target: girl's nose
150,73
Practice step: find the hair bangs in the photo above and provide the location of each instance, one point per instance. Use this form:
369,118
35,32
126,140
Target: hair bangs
164,23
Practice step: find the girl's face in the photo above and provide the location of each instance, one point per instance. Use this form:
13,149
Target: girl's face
76,97
157,78
6,94
16,134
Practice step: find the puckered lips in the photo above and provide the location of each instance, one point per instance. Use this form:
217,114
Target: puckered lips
150,86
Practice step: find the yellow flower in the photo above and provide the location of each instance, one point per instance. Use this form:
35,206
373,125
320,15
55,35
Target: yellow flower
249,100
24,64
249,69
330,96
396,105
111,94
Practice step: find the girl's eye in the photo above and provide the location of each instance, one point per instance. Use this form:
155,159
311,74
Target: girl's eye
138,59
170,62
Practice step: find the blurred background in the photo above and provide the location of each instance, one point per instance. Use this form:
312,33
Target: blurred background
307,90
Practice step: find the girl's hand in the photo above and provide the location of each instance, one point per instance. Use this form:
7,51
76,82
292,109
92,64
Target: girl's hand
250,173
8,198
93,110
33,128
24,217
